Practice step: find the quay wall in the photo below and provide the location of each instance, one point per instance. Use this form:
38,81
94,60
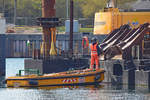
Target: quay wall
22,45
118,73
2,58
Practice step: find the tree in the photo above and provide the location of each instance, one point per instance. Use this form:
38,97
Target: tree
90,7
8,7
82,8
29,8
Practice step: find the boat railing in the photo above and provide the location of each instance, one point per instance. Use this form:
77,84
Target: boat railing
33,71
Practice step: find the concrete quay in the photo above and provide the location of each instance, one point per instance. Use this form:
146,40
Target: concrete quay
117,73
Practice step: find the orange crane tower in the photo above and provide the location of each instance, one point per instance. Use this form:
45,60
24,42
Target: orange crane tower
48,22
51,63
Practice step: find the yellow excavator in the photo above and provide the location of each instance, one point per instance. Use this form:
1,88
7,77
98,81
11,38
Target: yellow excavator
111,18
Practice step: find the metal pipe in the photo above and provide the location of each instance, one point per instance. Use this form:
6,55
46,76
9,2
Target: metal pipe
4,7
67,9
15,11
116,4
71,28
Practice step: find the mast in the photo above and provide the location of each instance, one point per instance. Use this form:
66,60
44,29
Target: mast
71,28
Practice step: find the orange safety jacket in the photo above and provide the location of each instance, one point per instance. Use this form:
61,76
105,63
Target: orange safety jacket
85,42
94,49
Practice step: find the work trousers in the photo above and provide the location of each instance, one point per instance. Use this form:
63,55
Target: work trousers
94,59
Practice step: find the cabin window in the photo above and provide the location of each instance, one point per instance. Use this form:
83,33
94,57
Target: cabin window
100,23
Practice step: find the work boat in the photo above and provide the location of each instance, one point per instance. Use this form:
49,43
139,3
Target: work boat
76,77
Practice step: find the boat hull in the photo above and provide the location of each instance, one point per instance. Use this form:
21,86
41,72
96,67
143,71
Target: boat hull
57,79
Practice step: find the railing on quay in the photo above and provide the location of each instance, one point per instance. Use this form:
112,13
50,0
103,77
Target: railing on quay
32,48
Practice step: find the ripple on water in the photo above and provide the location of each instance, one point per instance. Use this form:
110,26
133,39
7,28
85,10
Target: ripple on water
65,93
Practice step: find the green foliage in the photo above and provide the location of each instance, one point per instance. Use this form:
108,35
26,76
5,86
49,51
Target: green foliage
82,8
29,8
89,7
25,8
62,29
86,30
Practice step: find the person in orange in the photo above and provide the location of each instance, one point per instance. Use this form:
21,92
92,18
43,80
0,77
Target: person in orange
85,46
95,52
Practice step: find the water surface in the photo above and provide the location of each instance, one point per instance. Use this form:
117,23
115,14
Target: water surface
101,92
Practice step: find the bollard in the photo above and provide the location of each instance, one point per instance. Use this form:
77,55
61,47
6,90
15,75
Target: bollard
117,70
117,75
19,72
38,54
149,81
131,79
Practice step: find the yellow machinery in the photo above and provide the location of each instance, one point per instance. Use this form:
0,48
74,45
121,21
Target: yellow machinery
76,77
112,18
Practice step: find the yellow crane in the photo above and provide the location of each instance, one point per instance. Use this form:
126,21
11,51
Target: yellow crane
111,18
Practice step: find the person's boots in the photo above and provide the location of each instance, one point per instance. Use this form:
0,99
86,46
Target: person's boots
91,67
97,68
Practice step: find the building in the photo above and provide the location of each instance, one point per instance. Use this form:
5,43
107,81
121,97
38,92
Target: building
141,5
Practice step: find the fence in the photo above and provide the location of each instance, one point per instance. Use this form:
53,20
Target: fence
21,48
31,21
24,45
21,21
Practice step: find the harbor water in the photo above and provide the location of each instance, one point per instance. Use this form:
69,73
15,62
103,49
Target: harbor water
101,92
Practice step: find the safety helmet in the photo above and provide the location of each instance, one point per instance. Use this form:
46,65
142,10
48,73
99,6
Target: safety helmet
94,40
